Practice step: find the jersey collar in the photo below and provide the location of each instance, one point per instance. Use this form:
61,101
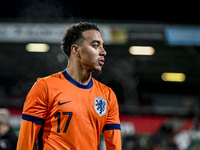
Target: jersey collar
89,85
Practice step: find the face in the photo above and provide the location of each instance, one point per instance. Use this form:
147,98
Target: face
91,51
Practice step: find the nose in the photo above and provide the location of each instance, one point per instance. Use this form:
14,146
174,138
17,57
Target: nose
103,52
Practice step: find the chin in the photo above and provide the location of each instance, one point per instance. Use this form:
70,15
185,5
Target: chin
98,70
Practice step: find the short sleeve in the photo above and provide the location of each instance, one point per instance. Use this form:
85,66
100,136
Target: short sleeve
112,121
35,106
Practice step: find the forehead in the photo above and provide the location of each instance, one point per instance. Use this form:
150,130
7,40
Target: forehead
91,35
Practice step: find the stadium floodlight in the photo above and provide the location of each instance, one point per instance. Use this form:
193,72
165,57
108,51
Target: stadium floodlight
37,47
173,77
141,50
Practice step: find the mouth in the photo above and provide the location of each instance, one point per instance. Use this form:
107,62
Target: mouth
101,61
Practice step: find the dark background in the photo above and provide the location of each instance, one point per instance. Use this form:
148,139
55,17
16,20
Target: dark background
122,11
142,74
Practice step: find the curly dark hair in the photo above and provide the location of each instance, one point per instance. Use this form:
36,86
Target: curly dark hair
73,35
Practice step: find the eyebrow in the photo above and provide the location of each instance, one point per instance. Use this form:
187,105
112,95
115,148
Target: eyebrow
96,41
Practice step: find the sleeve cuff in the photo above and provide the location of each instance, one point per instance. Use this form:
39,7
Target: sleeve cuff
33,119
112,127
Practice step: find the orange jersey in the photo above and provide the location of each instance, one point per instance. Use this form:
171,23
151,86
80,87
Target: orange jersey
72,115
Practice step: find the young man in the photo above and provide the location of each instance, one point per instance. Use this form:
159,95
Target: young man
70,109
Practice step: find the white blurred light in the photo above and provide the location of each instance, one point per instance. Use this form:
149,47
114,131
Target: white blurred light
37,47
141,50
173,77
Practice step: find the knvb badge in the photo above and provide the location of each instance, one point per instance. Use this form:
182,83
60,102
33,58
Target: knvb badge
100,106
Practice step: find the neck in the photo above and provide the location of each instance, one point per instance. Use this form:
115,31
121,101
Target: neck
79,74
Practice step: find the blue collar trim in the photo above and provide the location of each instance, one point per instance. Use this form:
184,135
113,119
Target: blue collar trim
89,85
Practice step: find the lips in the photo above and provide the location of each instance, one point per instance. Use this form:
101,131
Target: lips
101,61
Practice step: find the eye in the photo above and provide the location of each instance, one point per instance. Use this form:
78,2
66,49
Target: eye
95,45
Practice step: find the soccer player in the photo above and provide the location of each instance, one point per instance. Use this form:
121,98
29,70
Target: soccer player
70,109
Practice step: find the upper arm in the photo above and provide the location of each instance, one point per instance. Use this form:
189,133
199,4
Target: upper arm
36,104
112,121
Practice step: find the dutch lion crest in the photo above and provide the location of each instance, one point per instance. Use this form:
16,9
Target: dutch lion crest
100,106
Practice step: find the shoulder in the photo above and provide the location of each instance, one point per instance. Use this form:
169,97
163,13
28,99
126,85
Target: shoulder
99,84
50,79
43,84
103,87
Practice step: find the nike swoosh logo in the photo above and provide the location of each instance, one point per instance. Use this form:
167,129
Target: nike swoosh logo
59,103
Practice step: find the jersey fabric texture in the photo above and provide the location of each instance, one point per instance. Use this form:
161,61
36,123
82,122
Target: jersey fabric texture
72,115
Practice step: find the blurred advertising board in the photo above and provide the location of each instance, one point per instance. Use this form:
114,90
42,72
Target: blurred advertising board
188,36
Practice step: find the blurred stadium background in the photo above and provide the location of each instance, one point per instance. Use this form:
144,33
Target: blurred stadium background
153,63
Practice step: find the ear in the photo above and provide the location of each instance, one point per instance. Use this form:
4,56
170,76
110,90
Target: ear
75,50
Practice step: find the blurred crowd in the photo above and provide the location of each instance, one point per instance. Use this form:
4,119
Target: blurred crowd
164,139
8,137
